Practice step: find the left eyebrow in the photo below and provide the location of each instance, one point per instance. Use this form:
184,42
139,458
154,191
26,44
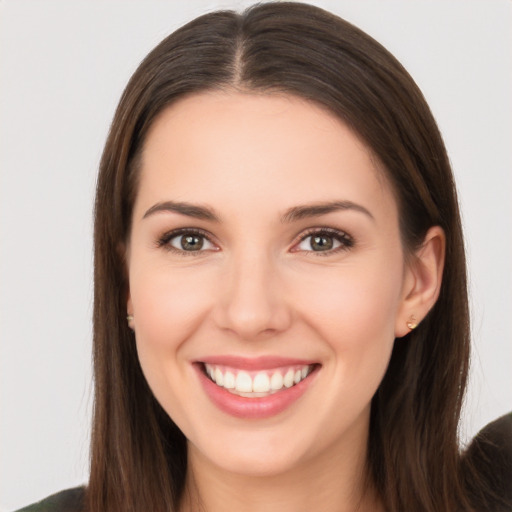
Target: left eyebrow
187,209
317,209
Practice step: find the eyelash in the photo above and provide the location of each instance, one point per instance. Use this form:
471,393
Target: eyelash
345,240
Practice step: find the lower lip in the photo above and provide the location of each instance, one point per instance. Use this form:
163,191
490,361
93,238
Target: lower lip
253,408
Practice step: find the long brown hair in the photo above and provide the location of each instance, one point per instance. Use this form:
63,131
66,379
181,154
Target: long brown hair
138,455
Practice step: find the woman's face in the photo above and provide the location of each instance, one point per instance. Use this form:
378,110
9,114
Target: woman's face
265,255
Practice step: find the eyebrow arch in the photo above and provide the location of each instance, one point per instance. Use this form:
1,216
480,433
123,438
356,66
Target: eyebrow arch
291,215
188,209
317,209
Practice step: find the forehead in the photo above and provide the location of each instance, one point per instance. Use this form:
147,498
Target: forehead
266,149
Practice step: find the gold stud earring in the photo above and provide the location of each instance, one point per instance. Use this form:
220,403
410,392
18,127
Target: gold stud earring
129,318
412,324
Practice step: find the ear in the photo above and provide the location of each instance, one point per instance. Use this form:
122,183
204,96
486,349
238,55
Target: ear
422,281
129,313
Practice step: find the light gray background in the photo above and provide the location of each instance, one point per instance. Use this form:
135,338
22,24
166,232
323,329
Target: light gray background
63,67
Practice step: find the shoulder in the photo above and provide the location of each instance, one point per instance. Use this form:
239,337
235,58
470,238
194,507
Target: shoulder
487,462
70,500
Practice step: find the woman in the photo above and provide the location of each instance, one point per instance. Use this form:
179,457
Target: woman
280,296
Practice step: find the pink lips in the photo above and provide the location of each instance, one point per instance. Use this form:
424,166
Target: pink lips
259,407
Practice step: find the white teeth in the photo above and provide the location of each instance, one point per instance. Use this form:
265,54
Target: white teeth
229,380
256,384
219,378
276,381
288,379
261,383
243,382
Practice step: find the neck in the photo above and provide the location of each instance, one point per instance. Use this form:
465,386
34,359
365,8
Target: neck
332,482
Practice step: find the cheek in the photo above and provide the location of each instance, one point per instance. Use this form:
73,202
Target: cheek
167,303
168,306
353,301
355,320
353,312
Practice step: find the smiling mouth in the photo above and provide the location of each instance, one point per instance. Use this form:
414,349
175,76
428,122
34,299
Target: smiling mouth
256,384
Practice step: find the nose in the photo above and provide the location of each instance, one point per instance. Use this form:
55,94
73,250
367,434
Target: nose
252,302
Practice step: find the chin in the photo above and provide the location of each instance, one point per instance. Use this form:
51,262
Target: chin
255,462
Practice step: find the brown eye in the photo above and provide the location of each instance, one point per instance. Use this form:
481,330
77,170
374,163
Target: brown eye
191,242
186,241
325,241
321,242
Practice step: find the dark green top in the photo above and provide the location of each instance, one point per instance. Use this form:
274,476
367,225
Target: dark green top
71,500
489,486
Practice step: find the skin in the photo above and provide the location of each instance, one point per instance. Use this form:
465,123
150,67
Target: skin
258,287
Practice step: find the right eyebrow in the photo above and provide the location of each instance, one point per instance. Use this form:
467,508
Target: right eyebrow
319,209
190,210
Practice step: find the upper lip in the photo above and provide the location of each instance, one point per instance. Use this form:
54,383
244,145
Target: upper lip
254,363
